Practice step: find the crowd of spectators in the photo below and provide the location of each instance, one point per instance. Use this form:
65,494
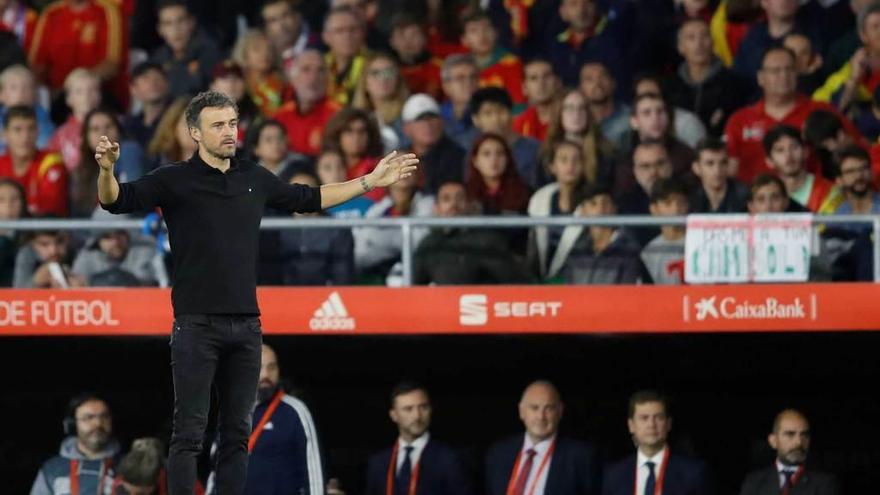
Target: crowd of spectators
557,107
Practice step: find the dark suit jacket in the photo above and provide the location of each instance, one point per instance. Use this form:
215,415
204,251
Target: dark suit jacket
573,467
766,482
684,476
440,472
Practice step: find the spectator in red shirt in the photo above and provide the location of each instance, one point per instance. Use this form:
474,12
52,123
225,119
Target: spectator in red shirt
781,104
498,67
355,134
83,94
307,114
542,87
78,34
786,155
20,20
42,173
420,69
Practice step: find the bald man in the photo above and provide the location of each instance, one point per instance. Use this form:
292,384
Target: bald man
540,462
788,475
283,446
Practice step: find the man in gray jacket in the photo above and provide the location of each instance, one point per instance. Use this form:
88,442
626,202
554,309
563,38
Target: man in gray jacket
86,460
115,258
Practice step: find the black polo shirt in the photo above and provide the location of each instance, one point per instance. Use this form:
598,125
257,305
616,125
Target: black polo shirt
213,223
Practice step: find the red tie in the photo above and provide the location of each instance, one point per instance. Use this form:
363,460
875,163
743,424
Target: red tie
520,487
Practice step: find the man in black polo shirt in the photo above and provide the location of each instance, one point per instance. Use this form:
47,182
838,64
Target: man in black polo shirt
212,204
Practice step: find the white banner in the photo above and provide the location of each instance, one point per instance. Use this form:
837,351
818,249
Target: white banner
741,248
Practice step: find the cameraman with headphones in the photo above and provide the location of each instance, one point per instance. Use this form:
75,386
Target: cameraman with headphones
88,454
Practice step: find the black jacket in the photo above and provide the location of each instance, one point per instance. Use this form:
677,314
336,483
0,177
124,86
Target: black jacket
573,467
766,482
467,256
440,472
713,100
684,476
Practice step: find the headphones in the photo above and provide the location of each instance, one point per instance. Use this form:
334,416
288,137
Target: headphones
68,424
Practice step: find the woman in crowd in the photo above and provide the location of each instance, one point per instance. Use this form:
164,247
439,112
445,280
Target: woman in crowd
84,179
330,169
268,145
492,180
172,142
255,55
382,91
549,246
574,123
354,134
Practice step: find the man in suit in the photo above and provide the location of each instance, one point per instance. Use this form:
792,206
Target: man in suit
653,469
416,464
541,462
790,439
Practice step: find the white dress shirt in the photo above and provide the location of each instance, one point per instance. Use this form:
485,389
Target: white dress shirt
780,467
418,446
642,470
542,448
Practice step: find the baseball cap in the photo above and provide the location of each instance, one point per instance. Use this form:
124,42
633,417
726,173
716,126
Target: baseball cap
418,106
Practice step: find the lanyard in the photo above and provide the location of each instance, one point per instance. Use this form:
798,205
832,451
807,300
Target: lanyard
74,476
267,415
392,467
514,475
658,486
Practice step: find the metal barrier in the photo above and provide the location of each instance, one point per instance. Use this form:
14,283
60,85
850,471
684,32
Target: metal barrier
406,225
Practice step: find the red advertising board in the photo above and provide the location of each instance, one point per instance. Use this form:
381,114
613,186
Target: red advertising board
467,310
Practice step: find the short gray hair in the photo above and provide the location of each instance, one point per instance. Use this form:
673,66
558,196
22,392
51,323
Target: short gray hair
204,100
454,61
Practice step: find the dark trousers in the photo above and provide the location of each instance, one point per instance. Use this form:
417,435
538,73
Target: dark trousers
225,351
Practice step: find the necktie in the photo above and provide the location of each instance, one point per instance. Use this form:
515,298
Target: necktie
786,484
651,483
520,487
401,484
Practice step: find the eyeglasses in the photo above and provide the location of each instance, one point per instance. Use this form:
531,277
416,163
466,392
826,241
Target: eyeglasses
85,418
856,171
386,73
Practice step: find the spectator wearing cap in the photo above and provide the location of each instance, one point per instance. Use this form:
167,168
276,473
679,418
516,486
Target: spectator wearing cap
454,256
288,31
419,67
498,67
344,34
255,54
460,76
492,112
115,258
591,34
150,91
307,114
229,79
441,158
602,255
781,104
188,54
663,257
19,87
